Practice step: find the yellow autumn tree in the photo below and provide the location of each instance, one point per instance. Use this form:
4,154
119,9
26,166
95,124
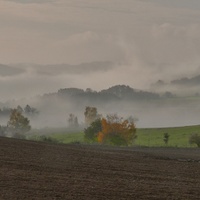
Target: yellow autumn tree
117,131
18,124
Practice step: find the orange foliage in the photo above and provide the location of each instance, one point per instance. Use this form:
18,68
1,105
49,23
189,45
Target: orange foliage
117,130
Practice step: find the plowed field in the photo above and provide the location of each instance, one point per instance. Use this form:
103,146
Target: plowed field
36,170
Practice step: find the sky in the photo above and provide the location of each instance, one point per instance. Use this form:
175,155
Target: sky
131,42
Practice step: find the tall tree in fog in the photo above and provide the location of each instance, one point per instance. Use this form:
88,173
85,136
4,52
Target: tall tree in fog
18,124
91,115
72,121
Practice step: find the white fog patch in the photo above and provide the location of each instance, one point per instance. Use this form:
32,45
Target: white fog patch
31,1
89,46
97,44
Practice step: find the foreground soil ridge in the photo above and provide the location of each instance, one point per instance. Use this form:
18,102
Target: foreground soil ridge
38,170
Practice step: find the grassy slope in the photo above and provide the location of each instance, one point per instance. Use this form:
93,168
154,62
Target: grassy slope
145,137
69,137
178,136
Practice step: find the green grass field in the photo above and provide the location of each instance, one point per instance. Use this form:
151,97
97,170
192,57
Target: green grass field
178,136
68,137
150,137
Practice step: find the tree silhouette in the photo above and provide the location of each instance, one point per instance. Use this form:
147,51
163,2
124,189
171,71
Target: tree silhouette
18,124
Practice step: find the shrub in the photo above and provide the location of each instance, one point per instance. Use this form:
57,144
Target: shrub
18,135
117,131
44,138
3,130
92,131
166,138
113,130
195,139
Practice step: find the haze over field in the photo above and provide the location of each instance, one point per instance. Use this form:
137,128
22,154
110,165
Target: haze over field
50,44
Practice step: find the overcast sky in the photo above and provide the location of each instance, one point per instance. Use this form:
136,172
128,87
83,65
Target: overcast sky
145,40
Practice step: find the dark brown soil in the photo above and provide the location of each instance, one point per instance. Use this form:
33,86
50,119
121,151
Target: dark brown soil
36,170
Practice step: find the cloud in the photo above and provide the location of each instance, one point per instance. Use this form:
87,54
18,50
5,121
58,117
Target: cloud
145,40
54,33
6,71
31,1
81,69
185,4
87,47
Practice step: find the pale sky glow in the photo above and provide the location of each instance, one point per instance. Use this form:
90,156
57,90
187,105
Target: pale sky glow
145,40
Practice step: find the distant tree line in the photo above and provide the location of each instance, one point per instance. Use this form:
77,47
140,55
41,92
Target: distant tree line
27,111
118,92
